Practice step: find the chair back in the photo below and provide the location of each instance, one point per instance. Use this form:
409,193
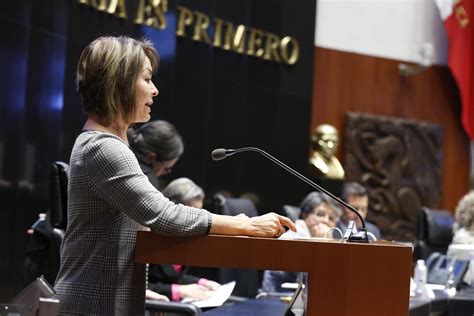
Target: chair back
58,194
435,232
154,307
58,212
234,206
247,281
292,212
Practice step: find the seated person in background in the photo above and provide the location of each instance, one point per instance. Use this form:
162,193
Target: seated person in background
172,280
318,215
463,227
357,196
157,146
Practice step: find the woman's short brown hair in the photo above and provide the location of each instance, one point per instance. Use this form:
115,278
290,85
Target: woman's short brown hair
106,74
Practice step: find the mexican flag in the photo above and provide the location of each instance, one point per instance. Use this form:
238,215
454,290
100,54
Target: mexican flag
458,17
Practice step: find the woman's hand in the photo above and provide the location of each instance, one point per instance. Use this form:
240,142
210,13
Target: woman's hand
319,230
194,291
269,225
210,285
150,295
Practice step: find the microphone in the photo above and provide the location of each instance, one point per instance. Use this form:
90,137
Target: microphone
221,153
351,233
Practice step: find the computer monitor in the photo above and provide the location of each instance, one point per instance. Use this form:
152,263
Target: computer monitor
297,303
464,252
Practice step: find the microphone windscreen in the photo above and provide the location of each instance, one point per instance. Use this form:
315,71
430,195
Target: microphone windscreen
218,154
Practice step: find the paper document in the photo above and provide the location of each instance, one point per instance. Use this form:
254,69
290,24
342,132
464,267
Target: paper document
217,299
289,286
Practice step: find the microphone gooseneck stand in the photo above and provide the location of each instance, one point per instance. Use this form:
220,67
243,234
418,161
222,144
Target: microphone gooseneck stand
351,234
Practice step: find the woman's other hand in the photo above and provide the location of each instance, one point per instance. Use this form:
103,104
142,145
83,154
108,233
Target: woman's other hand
210,285
194,291
150,295
268,225
319,230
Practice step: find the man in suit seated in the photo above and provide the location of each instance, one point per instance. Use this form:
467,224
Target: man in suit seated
357,196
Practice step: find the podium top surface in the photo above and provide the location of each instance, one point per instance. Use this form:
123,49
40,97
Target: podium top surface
261,253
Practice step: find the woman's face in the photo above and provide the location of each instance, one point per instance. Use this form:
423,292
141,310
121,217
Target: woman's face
320,220
196,202
145,91
161,168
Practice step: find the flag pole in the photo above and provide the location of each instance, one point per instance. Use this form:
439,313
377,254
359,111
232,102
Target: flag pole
471,173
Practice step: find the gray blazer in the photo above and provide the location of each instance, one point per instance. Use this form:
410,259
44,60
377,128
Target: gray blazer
109,200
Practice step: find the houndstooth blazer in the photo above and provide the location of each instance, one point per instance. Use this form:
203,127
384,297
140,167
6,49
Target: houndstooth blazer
109,200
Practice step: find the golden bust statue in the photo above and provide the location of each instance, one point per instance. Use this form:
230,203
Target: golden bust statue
325,141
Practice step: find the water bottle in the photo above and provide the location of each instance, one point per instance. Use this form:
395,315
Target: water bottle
39,221
421,275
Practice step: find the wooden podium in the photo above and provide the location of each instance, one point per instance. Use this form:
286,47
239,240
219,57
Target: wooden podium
343,278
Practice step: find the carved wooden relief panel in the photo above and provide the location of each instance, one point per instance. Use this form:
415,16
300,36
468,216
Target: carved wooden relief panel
399,161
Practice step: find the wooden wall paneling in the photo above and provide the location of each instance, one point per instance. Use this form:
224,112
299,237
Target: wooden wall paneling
345,82
399,162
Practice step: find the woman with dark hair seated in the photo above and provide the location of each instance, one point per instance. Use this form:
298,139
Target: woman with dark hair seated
157,146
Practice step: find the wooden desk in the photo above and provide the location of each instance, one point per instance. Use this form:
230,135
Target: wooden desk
343,278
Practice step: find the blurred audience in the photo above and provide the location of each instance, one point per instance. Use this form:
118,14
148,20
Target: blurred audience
317,217
252,196
463,227
157,146
357,196
173,280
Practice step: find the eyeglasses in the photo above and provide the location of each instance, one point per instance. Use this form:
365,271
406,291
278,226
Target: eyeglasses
322,213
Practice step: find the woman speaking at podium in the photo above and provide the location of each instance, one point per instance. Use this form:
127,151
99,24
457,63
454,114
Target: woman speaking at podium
109,197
